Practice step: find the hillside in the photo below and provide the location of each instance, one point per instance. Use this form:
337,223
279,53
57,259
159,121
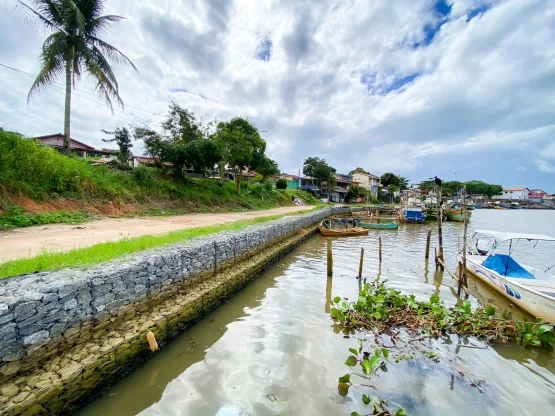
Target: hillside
38,185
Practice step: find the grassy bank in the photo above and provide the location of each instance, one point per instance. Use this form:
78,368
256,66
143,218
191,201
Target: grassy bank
107,251
41,173
15,217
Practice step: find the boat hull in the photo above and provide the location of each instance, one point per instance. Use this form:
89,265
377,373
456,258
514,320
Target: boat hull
457,215
384,226
531,301
347,232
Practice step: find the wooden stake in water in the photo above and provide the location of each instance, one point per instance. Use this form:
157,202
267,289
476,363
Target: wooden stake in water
428,237
361,261
463,281
439,229
435,257
330,259
380,248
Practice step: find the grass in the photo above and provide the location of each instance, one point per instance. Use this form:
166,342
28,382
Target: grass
41,173
15,217
88,256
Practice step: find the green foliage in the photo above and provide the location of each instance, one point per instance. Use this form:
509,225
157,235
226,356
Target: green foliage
15,217
358,170
319,170
281,184
267,167
144,176
379,307
389,179
123,138
473,187
353,192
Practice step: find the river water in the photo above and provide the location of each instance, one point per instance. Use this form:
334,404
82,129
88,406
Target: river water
273,349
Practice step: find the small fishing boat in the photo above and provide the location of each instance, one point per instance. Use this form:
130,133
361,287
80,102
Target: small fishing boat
514,205
326,229
376,226
470,207
456,214
414,215
530,288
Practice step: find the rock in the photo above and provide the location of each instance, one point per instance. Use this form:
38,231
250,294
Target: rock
36,338
70,304
21,396
9,390
26,310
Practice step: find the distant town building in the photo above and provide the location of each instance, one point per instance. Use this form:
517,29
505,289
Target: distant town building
514,194
78,148
368,181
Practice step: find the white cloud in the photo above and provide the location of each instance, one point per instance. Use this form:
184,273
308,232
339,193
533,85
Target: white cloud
545,166
521,168
481,87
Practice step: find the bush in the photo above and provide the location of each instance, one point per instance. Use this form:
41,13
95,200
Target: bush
144,176
281,184
268,186
397,199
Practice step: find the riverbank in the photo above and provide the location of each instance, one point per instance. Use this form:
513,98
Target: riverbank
67,333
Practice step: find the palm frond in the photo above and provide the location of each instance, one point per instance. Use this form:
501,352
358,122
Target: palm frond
110,51
48,21
74,20
51,9
53,63
100,24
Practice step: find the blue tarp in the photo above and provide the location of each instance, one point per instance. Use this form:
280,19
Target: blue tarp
505,265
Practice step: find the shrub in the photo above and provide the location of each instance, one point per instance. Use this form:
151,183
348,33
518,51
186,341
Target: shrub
268,186
281,184
144,176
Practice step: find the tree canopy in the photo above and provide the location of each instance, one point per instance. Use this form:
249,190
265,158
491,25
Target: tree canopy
390,179
319,170
473,187
123,139
358,170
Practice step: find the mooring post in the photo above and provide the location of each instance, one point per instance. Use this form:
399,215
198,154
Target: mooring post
439,229
428,237
380,248
330,258
463,264
435,257
361,261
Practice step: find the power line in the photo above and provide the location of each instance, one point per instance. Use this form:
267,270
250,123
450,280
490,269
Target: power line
87,92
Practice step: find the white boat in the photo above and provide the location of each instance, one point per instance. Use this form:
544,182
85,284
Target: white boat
530,288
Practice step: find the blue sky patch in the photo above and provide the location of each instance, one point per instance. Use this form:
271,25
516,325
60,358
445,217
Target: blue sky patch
399,83
442,7
264,50
478,11
179,90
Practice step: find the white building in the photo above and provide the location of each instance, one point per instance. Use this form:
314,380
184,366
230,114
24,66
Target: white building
367,181
514,194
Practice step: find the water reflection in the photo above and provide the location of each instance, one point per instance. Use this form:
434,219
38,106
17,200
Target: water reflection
273,350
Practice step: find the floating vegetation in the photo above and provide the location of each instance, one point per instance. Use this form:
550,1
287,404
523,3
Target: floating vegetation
400,321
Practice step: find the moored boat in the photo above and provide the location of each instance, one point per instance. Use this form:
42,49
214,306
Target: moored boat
456,214
326,229
414,215
376,226
530,288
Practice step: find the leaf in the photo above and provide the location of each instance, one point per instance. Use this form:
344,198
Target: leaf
380,299
353,351
434,299
539,320
352,360
336,299
343,389
375,361
378,316
545,328
437,309
367,366
355,414
365,399
385,353
345,379
401,412
490,311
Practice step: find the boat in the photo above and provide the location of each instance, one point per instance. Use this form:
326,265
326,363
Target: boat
530,288
414,215
326,229
470,207
514,205
376,226
456,214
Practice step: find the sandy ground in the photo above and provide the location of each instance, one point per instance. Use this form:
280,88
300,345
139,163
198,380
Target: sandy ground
26,242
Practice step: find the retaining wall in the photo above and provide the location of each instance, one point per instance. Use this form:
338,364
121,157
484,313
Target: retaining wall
44,314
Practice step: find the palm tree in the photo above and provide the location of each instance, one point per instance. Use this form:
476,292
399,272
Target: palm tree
74,47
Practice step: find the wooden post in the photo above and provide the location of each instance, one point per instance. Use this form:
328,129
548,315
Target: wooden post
330,259
380,248
361,261
439,229
463,265
428,237
435,257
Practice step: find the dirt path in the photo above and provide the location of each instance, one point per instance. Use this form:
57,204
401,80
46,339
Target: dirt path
25,242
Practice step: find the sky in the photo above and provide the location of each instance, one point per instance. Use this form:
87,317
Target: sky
461,89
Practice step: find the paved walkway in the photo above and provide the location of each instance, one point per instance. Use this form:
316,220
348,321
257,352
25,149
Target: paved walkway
26,242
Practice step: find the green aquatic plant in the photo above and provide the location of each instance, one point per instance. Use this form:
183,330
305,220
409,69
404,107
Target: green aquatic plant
387,311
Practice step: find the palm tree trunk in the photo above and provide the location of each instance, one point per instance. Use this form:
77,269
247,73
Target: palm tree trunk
67,133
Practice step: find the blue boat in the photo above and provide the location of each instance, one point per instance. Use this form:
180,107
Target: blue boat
414,215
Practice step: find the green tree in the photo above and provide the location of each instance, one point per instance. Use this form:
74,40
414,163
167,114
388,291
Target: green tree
183,142
74,48
310,166
267,167
389,179
358,170
123,139
240,145
281,184
353,192
403,183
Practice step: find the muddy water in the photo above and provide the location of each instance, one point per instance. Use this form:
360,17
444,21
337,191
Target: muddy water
272,349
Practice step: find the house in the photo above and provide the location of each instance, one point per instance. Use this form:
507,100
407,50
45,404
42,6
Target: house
343,181
338,194
293,181
534,196
514,194
368,181
78,148
309,184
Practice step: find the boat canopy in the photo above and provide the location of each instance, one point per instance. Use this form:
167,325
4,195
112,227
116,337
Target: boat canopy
501,236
